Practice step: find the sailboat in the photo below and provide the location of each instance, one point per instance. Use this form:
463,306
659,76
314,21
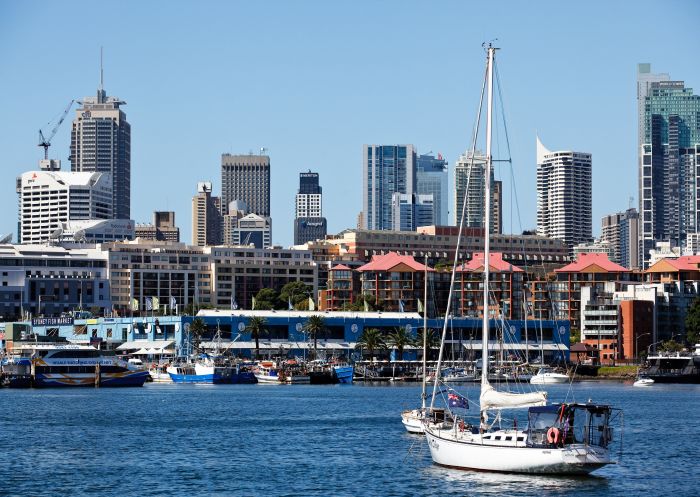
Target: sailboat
559,438
414,419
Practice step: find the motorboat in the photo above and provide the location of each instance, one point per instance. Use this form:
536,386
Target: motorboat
268,372
548,376
643,381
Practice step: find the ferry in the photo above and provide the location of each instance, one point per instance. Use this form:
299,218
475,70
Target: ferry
676,367
80,366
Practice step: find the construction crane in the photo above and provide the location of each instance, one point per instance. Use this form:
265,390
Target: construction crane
46,142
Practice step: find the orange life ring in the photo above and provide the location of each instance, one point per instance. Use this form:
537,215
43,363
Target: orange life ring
553,435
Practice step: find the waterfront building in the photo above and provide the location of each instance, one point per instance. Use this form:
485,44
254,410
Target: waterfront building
505,288
101,142
143,269
239,273
342,288
246,178
600,321
469,182
309,223
387,169
395,280
236,211
46,280
431,179
207,222
564,193
669,156
589,270
48,198
252,230
621,231
531,252
162,228
286,334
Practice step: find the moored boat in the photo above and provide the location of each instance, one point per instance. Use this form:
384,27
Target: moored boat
547,376
677,367
80,365
16,372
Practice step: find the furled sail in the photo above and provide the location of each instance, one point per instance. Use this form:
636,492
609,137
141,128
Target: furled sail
493,399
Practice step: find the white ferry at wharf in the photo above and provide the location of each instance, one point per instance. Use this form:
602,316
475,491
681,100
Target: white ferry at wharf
72,365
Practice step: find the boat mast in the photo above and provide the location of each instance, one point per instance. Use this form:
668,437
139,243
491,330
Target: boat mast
487,218
423,394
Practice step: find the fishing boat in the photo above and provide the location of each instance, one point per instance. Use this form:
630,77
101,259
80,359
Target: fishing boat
559,438
344,372
547,376
80,365
289,372
159,373
200,371
16,372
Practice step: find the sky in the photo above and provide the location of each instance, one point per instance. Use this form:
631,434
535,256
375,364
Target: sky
312,81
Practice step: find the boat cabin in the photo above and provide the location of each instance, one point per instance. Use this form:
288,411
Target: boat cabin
557,425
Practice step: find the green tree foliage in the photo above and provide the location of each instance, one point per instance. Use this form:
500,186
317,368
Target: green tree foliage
267,299
257,327
670,346
315,327
359,304
296,291
692,323
400,339
371,339
197,331
432,341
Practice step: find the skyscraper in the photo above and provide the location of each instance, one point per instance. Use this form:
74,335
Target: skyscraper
621,231
387,169
431,179
564,194
412,211
309,223
207,222
246,178
669,155
101,142
469,180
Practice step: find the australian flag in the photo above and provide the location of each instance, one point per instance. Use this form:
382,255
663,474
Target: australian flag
456,400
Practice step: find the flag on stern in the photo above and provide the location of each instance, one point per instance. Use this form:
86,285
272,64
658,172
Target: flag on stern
456,400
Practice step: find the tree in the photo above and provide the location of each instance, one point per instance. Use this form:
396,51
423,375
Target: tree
400,339
257,328
295,291
692,323
670,346
432,340
197,330
371,339
314,327
267,299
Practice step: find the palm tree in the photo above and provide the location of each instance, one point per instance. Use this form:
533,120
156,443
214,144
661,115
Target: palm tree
400,339
315,326
257,328
197,330
432,340
371,339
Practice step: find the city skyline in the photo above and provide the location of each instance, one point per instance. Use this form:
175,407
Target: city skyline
297,83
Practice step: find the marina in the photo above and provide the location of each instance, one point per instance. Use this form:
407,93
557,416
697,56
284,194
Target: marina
379,459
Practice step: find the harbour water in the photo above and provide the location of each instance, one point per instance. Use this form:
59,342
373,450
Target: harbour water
170,440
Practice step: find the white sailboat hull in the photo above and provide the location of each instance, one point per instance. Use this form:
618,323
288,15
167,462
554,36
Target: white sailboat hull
413,421
473,453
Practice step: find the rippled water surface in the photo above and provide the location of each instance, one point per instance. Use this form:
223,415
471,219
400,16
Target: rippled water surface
273,440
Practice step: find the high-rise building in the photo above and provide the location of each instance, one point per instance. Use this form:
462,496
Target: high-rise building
309,223
621,231
246,178
163,228
469,181
252,230
49,198
101,142
564,197
431,179
412,211
669,183
207,222
387,169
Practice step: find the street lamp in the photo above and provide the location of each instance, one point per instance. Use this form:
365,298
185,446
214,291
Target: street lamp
660,341
636,345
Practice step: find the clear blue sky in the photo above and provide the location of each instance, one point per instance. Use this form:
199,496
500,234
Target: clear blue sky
313,81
